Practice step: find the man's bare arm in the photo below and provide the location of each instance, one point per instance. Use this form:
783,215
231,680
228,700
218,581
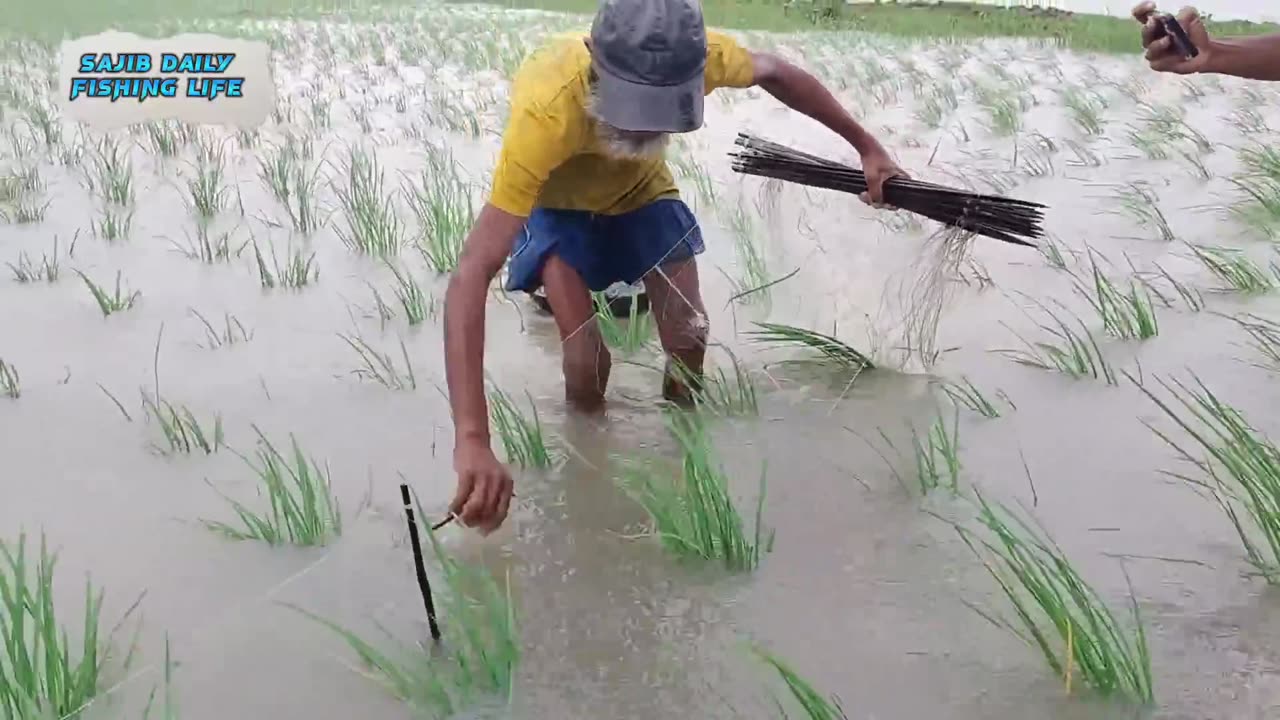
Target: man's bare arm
802,92
1255,58
485,250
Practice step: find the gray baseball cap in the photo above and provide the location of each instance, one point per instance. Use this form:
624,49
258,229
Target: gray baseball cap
649,57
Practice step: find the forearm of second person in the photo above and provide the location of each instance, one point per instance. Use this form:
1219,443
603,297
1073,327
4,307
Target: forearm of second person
464,323
804,93
1255,58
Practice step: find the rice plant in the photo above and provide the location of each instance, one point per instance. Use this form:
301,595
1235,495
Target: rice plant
1140,202
1239,464
207,191
182,432
718,393
965,394
1057,611
417,305
303,510
110,301
296,272
113,172
10,383
1236,271
293,187
48,269
208,247
814,705
1127,315
521,435
164,138
232,331
1260,184
936,456
695,515
1264,335
829,348
372,225
379,367
42,673
1085,108
481,652
442,204
113,224
26,212
1071,352
628,335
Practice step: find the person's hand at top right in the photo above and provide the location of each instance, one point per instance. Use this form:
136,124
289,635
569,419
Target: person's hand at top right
1161,53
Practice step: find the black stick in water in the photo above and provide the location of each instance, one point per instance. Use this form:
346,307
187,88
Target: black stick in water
423,583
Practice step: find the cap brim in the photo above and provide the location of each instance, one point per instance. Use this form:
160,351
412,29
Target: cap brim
650,108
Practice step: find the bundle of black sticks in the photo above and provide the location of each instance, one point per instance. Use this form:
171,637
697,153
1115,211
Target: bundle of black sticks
995,217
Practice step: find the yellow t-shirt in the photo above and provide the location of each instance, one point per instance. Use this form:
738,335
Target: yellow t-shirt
550,154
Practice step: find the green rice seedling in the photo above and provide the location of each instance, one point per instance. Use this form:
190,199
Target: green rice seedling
1248,121
417,305
830,349
1003,108
114,172
373,227
695,515
110,302
521,436
209,248
164,138
276,168
113,224
1072,352
48,269
1085,157
814,705
1057,611
1264,336
45,120
232,332
755,273
716,392
42,673
442,204
1139,201
1260,184
297,271
10,383
303,510
1152,144
1085,108
966,394
182,432
1191,296
247,138
1196,165
208,193
379,367
1126,315
1168,122
1237,272
935,456
1053,254
480,655
628,335
293,187
1242,467
26,212
169,708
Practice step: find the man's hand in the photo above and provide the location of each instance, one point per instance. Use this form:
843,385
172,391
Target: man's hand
878,167
1162,54
484,487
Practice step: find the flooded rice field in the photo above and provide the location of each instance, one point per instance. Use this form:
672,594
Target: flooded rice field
175,295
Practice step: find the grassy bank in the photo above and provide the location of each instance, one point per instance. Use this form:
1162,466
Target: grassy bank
36,18
1078,31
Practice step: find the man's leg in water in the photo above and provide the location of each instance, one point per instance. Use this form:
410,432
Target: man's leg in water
586,360
675,299
559,253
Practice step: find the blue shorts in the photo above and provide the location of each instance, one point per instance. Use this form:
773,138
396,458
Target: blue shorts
604,249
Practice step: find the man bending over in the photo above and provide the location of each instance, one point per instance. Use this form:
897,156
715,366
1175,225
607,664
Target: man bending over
582,198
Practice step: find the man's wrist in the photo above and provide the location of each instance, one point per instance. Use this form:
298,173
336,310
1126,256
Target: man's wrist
471,436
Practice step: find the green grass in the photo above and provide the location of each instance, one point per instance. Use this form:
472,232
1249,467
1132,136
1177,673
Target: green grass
965,394
303,510
379,366
1069,351
110,301
372,225
830,350
42,673
1239,466
811,702
1057,611
480,652
718,393
182,432
1264,336
10,383
1128,315
694,516
521,435
417,305
628,335
1236,271
936,456
442,204
298,270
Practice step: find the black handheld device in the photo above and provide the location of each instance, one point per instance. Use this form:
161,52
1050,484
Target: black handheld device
1170,26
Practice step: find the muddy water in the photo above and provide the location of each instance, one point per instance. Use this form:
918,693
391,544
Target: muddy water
864,593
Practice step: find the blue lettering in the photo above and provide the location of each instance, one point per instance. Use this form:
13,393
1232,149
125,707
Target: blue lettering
168,62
